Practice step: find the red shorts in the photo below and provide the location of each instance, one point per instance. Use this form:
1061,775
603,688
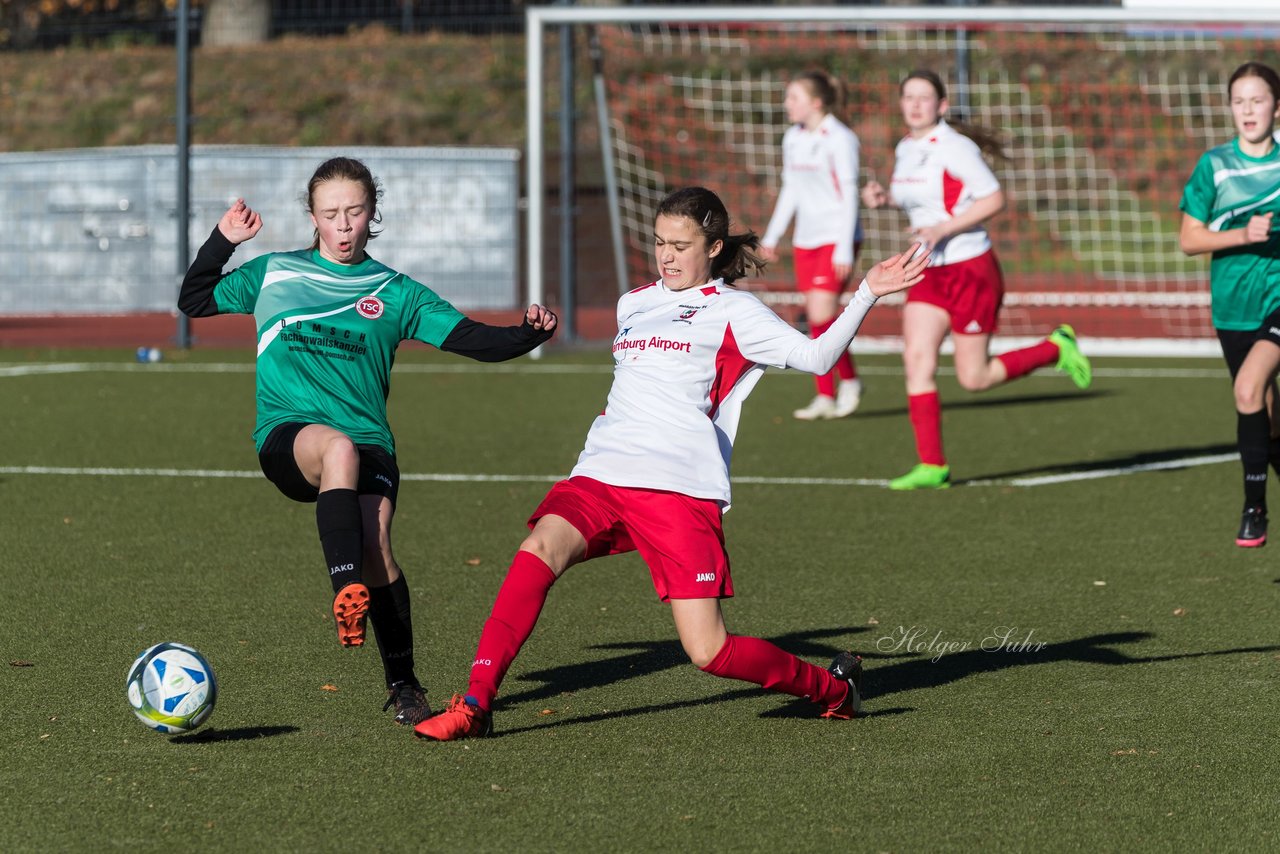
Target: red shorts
680,538
970,291
814,270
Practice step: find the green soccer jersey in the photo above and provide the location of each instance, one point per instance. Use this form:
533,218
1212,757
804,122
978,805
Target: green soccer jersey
327,338
1225,190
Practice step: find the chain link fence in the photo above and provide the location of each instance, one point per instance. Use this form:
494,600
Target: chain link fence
102,75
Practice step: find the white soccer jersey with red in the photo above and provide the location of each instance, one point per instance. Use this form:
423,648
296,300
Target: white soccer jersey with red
819,188
684,362
935,178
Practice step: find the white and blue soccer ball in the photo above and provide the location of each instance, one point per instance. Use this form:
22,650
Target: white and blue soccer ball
171,688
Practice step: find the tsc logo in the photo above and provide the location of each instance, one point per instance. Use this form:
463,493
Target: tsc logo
370,307
705,576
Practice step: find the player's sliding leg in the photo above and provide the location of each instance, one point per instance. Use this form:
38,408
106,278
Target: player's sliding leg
700,625
553,543
510,623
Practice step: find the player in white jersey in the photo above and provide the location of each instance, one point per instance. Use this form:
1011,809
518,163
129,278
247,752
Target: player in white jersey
948,191
654,475
820,191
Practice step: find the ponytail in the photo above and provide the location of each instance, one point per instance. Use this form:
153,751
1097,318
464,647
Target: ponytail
824,86
987,140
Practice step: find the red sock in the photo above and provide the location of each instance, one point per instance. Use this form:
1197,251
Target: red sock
926,420
826,382
509,625
755,660
1018,363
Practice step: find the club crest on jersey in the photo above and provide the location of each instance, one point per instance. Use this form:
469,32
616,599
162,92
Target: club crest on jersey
370,307
686,316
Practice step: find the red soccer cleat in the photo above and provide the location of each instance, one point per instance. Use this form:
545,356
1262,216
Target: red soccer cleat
462,719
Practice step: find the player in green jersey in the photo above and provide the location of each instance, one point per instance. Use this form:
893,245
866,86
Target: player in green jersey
1228,206
329,319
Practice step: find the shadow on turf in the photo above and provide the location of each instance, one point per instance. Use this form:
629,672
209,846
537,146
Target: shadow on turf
927,671
654,657
985,402
1127,461
922,671
246,733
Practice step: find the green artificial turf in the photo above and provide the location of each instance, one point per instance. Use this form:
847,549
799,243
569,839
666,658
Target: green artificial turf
1081,665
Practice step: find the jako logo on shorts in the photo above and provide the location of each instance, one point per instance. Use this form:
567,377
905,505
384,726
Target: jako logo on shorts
370,307
705,576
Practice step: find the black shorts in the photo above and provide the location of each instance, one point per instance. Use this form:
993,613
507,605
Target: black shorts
379,474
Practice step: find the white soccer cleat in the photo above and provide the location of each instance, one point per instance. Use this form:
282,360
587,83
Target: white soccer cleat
820,407
848,396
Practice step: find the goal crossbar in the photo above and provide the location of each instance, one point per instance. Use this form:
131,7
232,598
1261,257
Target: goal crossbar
539,18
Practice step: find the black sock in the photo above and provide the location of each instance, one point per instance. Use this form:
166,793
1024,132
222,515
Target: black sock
1253,435
393,627
1273,454
341,535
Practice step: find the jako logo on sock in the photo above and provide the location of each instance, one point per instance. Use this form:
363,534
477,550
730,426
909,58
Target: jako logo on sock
345,567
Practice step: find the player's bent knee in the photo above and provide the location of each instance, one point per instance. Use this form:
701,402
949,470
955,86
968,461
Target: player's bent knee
974,381
1248,397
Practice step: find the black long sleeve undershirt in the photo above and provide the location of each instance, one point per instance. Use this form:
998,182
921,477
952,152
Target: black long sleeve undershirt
486,343
195,299
469,338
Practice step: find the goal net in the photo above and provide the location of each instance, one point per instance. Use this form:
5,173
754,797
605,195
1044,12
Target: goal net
1103,122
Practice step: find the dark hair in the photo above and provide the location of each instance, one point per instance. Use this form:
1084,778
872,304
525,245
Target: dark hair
1256,69
345,169
986,139
704,208
823,86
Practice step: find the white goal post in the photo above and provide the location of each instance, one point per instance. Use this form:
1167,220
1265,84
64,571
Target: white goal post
1109,262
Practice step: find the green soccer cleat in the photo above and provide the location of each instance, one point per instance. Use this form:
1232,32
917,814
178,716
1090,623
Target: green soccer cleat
1071,361
924,476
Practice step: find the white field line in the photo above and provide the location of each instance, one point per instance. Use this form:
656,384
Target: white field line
1095,474
24,370
442,477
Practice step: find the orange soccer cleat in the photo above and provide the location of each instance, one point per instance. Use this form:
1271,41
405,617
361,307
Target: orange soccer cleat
462,719
350,608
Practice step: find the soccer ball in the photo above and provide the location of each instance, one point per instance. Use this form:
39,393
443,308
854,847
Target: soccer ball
171,688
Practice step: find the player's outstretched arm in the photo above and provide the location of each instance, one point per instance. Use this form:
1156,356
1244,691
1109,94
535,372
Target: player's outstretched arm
818,355
486,343
898,272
